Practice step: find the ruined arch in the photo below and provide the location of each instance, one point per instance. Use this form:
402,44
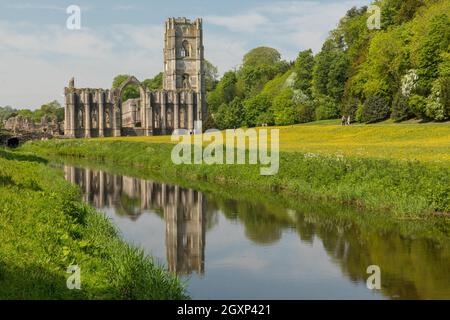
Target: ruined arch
137,115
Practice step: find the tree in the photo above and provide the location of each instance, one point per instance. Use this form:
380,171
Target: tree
259,66
261,56
6,113
304,66
230,116
431,52
130,92
224,92
256,110
376,108
154,83
211,76
284,108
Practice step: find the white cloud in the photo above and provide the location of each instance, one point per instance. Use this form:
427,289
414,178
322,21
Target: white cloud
249,22
37,60
288,25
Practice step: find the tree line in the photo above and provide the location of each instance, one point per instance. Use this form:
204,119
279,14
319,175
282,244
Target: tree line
400,71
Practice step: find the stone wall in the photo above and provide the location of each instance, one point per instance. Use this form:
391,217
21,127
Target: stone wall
102,113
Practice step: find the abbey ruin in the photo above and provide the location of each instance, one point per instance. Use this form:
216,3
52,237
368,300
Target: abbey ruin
102,113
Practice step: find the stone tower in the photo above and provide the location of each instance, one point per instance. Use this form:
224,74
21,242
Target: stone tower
184,59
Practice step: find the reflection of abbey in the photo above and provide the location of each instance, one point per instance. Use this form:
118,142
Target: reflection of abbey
183,211
102,113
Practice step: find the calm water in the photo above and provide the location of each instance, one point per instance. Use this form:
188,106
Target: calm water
229,248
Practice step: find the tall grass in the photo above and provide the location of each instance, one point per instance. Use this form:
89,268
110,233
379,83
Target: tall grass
402,188
45,228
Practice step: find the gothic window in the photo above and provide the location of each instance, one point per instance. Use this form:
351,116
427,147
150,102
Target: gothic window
186,49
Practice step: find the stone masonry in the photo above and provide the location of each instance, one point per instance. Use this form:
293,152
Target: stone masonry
102,113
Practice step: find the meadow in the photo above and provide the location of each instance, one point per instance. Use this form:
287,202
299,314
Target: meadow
398,169
428,143
45,228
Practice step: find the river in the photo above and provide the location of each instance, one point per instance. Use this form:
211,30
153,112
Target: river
256,247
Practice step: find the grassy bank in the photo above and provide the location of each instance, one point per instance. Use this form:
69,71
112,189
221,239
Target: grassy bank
409,189
45,228
428,143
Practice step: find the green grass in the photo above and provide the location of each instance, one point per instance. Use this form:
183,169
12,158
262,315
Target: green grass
406,189
428,142
45,228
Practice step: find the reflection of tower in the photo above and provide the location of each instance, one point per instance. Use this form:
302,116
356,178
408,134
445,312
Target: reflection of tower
183,211
185,231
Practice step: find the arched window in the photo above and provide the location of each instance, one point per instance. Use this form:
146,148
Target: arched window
186,49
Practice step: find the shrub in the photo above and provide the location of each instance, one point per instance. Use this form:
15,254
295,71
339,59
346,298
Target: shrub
326,108
350,108
305,113
417,105
376,108
400,108
283,108
435,107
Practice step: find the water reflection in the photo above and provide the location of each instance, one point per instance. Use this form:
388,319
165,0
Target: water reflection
182,210
262,249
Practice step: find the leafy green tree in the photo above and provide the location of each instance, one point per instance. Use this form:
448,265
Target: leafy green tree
326,108
284,108
261,56
259,66
154,83
130,92
230,116
431,52
304,66
224,93
256,109
375,109
6,113
211,76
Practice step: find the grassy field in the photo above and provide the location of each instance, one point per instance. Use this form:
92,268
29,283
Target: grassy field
401,186
411,141
45,228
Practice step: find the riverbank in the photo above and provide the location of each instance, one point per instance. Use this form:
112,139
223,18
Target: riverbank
404,189
45,228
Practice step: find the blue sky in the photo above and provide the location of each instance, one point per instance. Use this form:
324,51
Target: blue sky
38,54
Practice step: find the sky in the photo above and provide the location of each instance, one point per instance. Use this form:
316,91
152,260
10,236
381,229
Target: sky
38,54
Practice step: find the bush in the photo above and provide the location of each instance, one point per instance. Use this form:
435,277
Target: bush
351,108
305,113
435,107
400,108
417,105
376,108
283,108
326,108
